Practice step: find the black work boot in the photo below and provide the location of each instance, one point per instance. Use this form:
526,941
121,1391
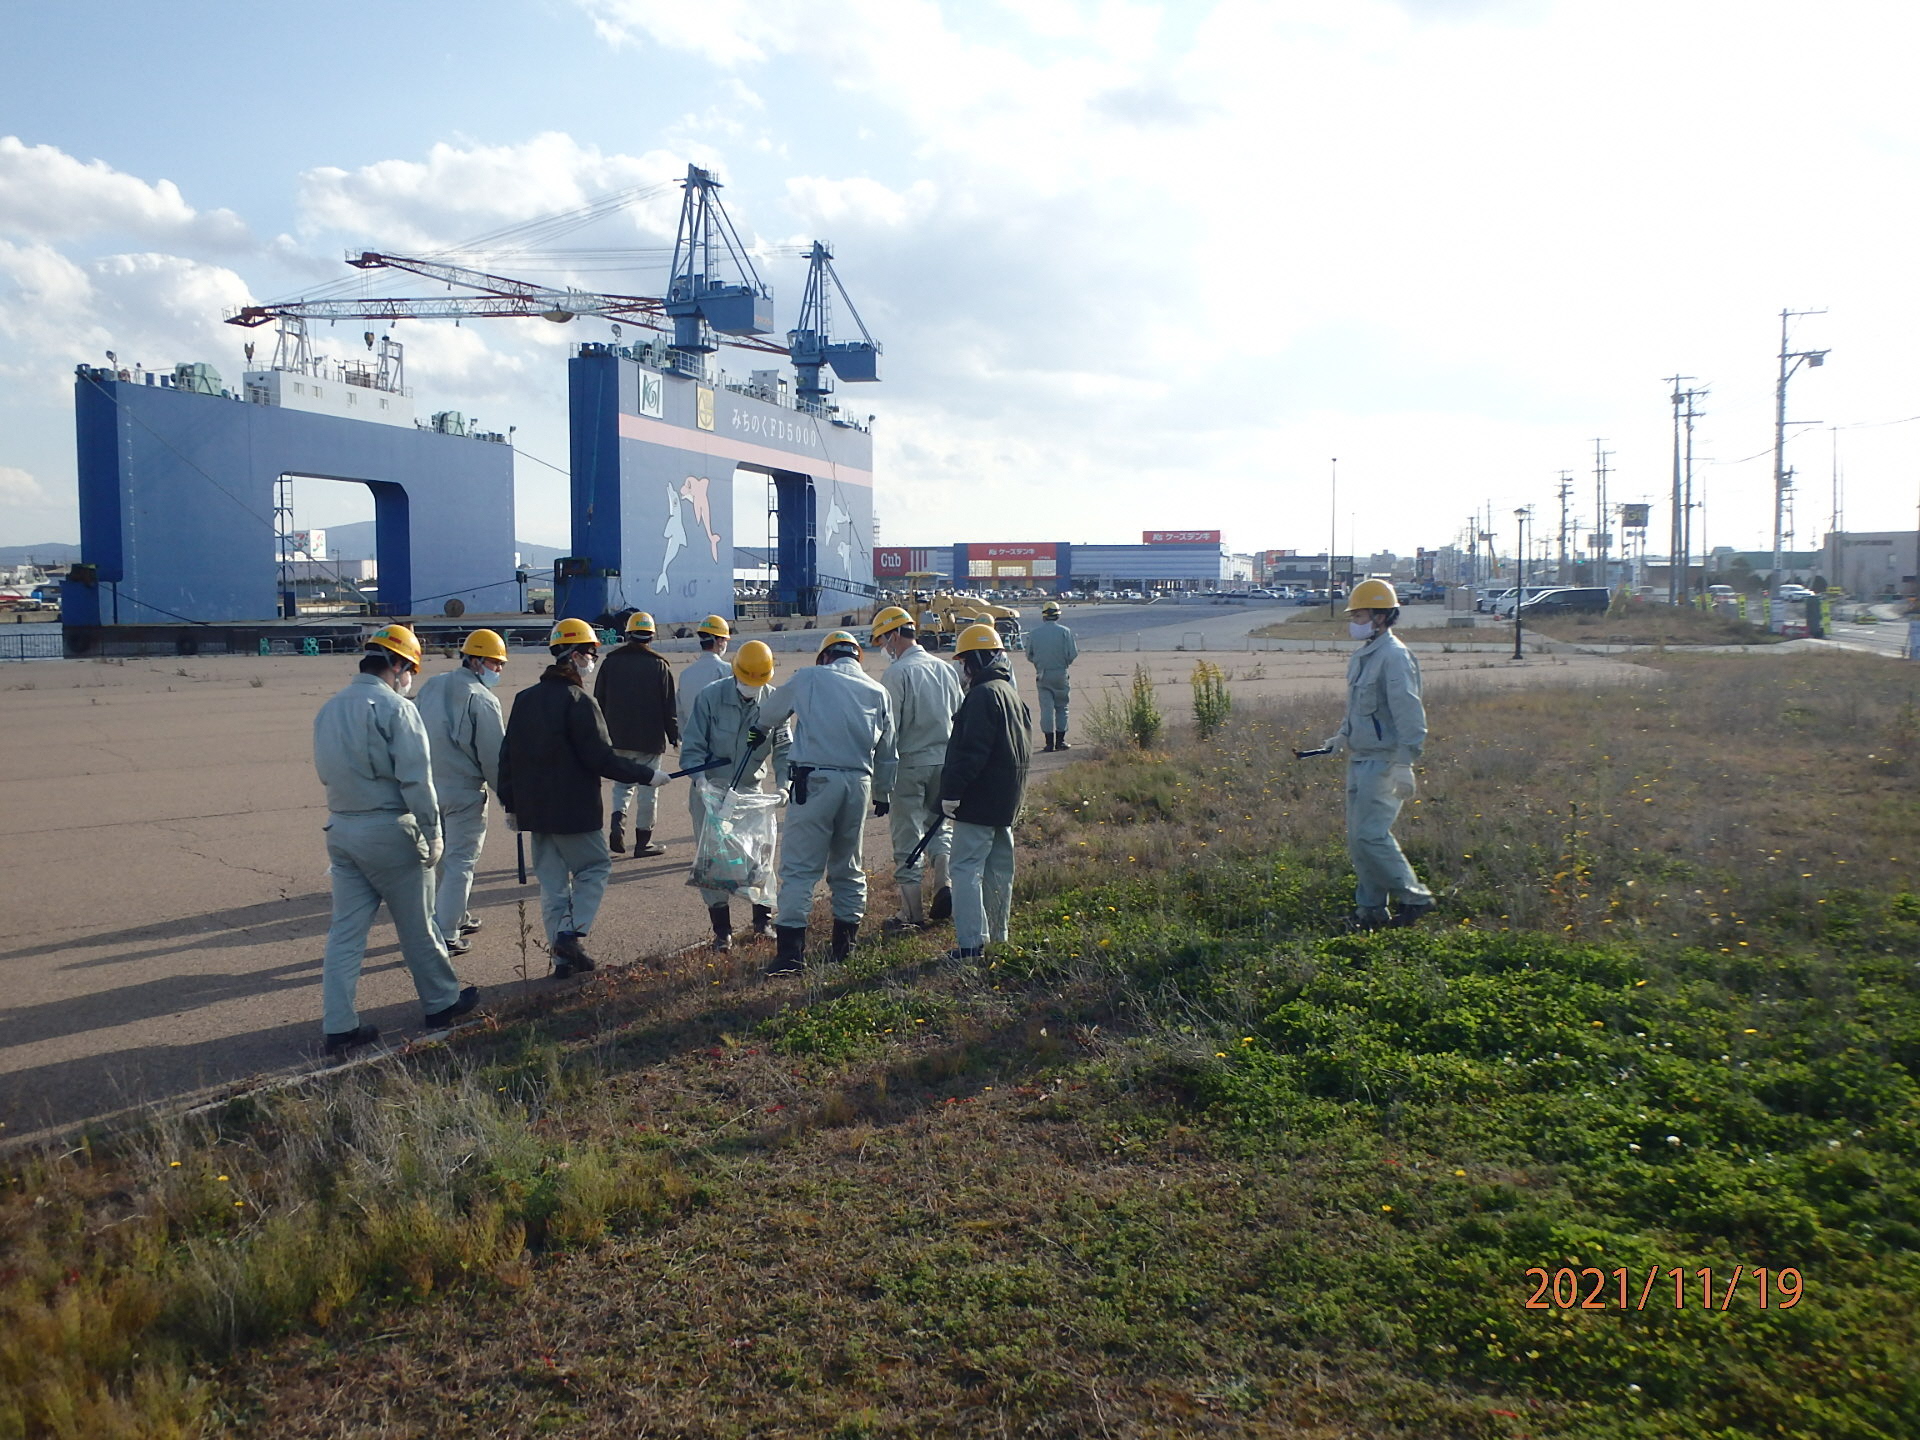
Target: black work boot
762,921
942,906
846,934
792,952
722,919
570,957
341,1042
617,834
1060,740
1049,745
643,844
443,1019
1412,914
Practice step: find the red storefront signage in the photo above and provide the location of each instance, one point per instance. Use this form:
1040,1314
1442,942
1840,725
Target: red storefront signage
895,560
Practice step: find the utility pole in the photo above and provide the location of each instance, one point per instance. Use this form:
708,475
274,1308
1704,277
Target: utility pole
1688,502
1790,361
1676,547
1602,536
1566,490
1333,526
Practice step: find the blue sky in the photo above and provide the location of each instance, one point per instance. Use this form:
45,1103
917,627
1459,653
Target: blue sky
1135,265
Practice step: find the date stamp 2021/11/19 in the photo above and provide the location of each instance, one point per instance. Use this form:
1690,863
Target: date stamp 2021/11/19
1591,1288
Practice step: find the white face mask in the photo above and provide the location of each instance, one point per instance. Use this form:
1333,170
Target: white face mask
748,692
489,678
584,665
1360,629
405,687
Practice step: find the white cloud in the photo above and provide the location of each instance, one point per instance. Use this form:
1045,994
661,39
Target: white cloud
48,194
415,206
17,487
1144,251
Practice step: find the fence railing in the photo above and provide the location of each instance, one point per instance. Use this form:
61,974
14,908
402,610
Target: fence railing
36,642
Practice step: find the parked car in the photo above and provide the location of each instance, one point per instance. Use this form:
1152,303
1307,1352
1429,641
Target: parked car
1503,605
1573,600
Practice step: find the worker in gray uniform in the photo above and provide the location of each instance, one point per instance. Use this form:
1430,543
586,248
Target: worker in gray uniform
842,760
982,787
464,731
1052,649
1382,735
634,687
925,694
709,667
725,725
383,838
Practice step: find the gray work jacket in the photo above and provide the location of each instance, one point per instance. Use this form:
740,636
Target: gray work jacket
1386,719
718,727
370,750
926,696
707,669
464,731
844,721
1051,647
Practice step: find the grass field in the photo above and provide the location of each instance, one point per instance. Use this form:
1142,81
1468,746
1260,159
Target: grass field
1187,1159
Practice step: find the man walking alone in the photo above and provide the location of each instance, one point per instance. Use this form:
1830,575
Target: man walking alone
1052,649
1383,733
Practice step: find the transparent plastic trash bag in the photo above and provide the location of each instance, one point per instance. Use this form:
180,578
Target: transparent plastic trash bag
734,851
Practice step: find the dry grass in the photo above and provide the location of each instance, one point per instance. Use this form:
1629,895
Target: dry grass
1653,624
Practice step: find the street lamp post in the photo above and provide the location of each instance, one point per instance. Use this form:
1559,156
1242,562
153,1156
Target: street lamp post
1790,361
1520,570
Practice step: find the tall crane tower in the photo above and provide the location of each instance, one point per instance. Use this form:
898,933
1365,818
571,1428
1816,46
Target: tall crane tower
810,344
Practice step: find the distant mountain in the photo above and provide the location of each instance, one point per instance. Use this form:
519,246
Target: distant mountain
356,541
47,556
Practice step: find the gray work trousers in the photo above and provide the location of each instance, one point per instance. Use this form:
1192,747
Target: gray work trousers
916,802
982,883
824,838
1380,870
648,796
375,857
1054,692
573,871
463,829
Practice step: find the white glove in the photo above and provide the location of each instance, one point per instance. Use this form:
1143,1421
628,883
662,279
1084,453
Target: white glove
950,809
660,777
1335,743
1400,782
436,847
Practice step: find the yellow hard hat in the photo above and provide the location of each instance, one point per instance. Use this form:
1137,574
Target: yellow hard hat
888,621
713,625
1050,609
487,644
400,640
1373,595
837,637
978,637
639,623
573,632
754,664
